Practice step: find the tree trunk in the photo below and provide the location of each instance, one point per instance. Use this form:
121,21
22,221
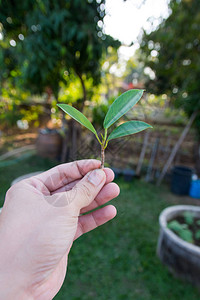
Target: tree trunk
84,90
76,136
49,93
65,139
74,141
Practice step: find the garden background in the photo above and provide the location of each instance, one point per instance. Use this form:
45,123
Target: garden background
61,52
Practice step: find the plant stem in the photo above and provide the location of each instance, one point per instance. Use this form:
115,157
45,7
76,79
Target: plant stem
103,146
102,156
98,139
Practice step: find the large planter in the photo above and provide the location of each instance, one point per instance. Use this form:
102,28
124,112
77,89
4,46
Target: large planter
181,258
49,143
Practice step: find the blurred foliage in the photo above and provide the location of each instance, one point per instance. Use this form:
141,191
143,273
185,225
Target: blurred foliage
11,112
172,54
17,104
134,71
49,45
110,83
11,116
99,113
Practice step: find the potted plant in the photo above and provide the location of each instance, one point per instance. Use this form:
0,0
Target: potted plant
179,241
118,108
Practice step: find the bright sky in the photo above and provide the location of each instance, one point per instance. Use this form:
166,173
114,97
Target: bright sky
124,20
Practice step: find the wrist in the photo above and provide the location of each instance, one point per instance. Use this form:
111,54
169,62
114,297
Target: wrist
12,280
11,289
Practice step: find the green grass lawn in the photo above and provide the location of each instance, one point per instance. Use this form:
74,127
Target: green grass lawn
118,260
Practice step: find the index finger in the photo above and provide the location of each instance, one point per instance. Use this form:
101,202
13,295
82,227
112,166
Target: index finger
63,174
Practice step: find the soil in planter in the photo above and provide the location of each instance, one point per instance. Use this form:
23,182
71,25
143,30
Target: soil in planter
194,229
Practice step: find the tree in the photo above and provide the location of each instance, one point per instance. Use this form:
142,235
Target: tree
46,43
172,52
42,39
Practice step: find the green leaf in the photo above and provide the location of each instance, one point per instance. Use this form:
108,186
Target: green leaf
121,105
181,230
186,235
127,128
175,226
78,116
189,217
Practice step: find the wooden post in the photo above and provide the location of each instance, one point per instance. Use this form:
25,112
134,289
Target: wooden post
167,148
65,139
152,159
176,147
143,151
74,141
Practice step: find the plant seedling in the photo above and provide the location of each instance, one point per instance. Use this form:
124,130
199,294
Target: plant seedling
118,108
189,217
181,230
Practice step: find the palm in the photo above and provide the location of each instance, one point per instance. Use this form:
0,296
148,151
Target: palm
51,185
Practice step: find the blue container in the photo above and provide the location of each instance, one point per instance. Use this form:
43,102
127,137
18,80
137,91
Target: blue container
195,189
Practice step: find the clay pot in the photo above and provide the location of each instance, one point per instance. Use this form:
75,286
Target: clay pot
181,257
49,144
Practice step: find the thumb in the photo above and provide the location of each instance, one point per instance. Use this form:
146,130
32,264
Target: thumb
85,191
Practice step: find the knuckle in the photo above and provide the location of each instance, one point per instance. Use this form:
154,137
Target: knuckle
11,192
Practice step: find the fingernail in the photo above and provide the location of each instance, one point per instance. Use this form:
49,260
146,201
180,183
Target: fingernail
96,177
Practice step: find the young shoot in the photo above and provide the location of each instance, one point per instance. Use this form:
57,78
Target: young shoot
118,108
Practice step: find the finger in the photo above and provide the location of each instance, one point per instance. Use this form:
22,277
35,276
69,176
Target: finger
82,194
108,192
109,177
109,174
96,218
61,175
66,187
86,190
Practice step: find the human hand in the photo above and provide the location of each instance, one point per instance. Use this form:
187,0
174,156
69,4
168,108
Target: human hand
40,220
